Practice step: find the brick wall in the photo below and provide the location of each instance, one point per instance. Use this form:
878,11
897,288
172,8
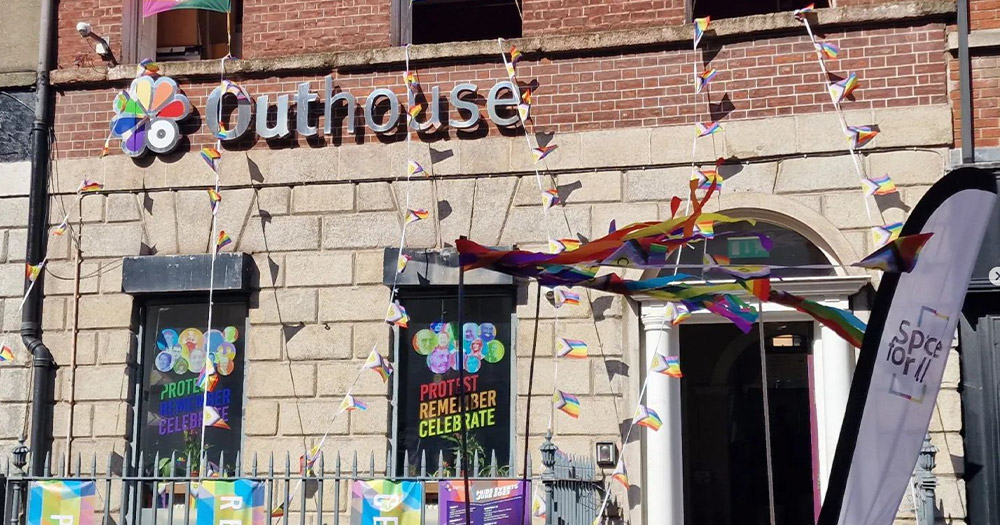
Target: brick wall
105,18
292,27
543,17
896,67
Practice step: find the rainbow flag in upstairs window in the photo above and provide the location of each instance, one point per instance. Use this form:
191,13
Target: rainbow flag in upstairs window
152,7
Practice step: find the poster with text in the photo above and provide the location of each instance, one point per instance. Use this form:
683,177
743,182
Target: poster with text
491,502
239,502
385,502
61,502
176,348
432,413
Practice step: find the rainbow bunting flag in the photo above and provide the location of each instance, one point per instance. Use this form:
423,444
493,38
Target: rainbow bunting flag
415,110
413,167
673,367
705,229
401,262
6,354
759,287
350,403
620,475
379,364
898,256
572,348
411,81
526,96
550,198
208,380
215,198
800,14
703,78
883,235
515,55
706,177
879,186
538,507
647,417
88,185
63,226
715,260
31,271
828,50
747,272
308,461
413,216
278,511
511,72
842,322
700,26
211,157
858,136
147,68
397,316
563,245
223,240
567,403
524,111
541,152
677,313
844,88
710,128
212,418
564,296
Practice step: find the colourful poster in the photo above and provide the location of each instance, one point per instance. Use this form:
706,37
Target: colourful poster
239,502
384,502
59,502
492,502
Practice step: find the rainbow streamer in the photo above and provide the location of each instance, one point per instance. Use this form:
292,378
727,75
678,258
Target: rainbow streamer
879,186
842,322
647,417
572,348
567,403
563,245
898,256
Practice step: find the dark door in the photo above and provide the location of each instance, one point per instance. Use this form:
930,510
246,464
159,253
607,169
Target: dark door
980,351
723,418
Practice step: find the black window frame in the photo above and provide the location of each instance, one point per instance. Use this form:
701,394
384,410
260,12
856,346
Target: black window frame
401,21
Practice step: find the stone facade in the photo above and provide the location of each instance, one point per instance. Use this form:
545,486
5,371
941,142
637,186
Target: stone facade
316,215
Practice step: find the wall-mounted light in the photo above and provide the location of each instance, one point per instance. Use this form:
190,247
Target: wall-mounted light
20,455
607,454
101,45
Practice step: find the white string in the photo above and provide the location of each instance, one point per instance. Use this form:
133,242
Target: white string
767,410
858,167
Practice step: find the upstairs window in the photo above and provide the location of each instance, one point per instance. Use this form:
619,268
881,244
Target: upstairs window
731,9
195,34
437,21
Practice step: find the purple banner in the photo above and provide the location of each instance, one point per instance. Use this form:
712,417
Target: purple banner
493,502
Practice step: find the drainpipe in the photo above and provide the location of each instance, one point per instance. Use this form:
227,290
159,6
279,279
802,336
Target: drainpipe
965,83
31,316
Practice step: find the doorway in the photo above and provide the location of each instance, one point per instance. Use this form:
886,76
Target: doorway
725,478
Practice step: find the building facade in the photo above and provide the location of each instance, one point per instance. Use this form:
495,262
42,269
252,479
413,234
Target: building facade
316,194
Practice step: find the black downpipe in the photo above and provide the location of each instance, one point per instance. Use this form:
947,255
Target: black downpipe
965,83
38,212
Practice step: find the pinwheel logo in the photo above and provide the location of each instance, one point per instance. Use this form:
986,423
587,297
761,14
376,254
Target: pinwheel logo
146,115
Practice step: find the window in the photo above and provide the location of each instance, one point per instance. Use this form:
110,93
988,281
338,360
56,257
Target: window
731,9
437,21
195,34
173,353
427,418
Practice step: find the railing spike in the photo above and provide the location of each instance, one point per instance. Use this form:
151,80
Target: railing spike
288,467
93,465
321,470
354,466
222,463
254,467
48,465
440,469
475,463
423,463
388,462
239,465
493,463
79,463
337,467
406,464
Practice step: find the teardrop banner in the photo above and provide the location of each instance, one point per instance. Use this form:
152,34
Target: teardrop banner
904,352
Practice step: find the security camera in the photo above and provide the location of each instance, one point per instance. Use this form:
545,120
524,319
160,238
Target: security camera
84,29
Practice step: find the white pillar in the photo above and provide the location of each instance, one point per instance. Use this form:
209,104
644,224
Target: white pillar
833,368
664,470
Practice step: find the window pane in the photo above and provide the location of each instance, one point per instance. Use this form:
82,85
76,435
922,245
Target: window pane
731,9
174,354
437,21
428,403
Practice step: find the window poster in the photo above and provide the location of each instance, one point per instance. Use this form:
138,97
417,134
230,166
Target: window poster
430,417
492,502
175,349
